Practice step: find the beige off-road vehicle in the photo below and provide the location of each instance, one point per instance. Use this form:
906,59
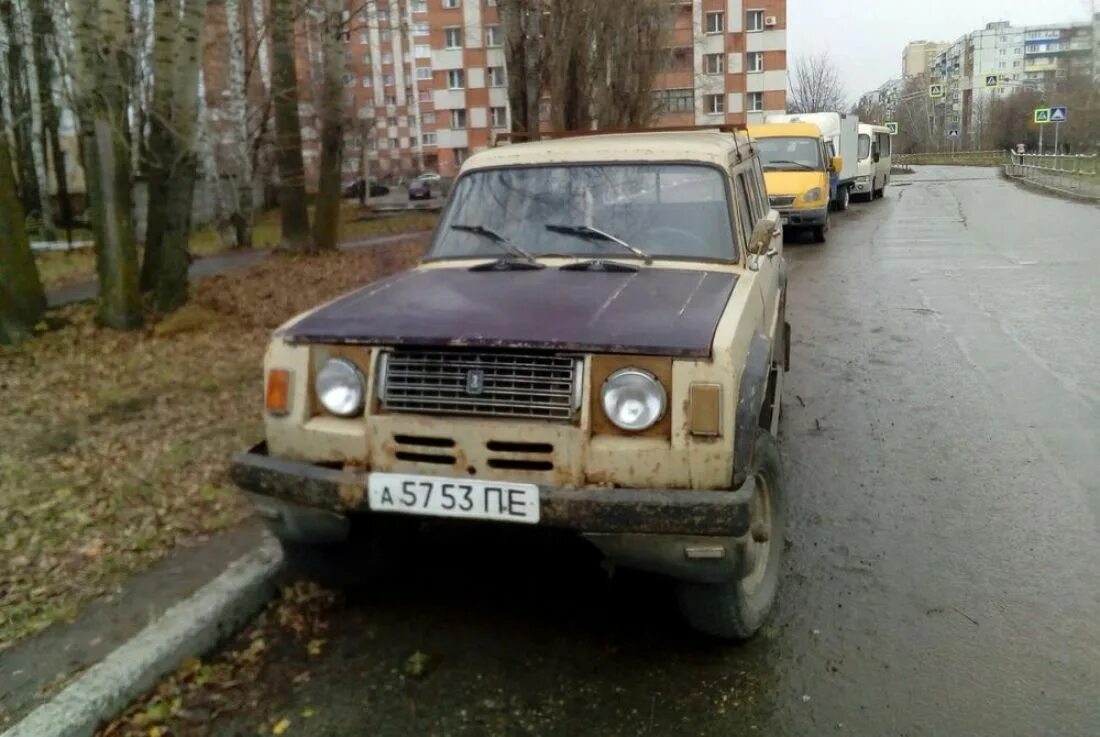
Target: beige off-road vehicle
594,341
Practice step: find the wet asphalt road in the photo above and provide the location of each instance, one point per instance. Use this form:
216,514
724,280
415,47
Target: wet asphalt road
942,446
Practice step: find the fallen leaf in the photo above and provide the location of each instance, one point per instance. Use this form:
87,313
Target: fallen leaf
307,713
281,726
417,664
314,647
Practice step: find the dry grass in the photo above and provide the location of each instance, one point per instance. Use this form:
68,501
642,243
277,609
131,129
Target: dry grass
59,268
115,444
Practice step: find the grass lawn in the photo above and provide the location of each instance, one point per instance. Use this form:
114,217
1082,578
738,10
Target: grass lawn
58,268
115,444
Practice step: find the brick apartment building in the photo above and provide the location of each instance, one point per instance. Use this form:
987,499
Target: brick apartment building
426,80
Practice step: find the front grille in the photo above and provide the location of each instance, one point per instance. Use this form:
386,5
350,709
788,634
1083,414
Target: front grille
781,201
479,383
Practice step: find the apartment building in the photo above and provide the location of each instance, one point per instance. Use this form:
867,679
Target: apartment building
917,57
1036,57
426,80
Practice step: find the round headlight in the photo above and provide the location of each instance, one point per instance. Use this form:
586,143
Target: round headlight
813,195
340,387
633,399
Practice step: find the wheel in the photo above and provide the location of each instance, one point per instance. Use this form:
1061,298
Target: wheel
736,609
843,199
820,231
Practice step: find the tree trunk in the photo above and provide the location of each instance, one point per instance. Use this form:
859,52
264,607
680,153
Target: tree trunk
18,97
44,39
288,130
100,78
22,300
37,141
515,59
326,216
261,29
172,279
161,152
238,113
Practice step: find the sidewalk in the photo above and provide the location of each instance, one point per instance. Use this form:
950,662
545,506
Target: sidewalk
220,264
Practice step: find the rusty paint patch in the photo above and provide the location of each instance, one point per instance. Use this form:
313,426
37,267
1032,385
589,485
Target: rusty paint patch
351,495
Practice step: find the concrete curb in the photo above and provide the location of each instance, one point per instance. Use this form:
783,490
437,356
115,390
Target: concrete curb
190,628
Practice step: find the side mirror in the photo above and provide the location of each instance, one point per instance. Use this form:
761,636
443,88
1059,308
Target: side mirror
837,165
877,157
761,241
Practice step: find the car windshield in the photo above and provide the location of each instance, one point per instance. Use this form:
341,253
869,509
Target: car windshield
790,154
664,210
864,147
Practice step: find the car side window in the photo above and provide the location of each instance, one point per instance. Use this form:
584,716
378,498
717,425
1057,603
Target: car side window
744,210
747,181
885,145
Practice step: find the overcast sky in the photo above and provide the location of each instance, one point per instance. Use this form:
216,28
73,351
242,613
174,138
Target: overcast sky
866,38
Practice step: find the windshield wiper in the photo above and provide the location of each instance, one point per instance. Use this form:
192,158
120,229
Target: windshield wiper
595,234
500,240
807,167
599,264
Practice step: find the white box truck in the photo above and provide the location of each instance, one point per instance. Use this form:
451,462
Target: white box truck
841,133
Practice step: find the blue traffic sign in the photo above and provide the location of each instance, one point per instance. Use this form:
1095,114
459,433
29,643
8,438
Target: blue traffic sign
1059,114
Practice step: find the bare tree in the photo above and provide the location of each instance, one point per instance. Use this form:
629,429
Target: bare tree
326,216
45,43
22,300
238,113
816,86
288,130
100,30
36,95
523,47
627,57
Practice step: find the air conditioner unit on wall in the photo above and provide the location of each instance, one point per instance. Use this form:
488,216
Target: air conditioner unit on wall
771,20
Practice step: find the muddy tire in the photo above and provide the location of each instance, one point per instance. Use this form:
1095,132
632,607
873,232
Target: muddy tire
736,609
843,198
820,233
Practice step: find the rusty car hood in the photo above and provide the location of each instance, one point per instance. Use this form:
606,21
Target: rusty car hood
654,311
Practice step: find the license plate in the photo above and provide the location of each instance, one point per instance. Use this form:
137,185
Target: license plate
784,217
434,496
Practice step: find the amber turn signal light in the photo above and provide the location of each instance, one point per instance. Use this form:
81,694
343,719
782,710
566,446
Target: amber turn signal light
706,410
277,395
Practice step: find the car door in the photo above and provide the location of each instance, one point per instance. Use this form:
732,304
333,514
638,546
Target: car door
752,209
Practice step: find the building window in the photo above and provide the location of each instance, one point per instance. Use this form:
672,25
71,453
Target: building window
461,155
364,38
349,80
714,63
716,22
421,28
456,79
496,77
366,81
675,100
499,117
452,38
366,60
394,143
428,118
420,6
428,139
756,102
714,104
451,4
425,95
388,80
391,99
386,35
493,36
392,121
458,119
755,20
754,61
422,51
424,73
387,57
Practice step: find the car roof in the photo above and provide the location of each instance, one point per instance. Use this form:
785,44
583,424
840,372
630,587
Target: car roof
705,146
775,130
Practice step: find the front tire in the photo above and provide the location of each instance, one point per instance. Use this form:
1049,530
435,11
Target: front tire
820,232
843,199
737,608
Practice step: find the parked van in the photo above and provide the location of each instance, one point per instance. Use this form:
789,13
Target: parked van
873,169
841,133
797,165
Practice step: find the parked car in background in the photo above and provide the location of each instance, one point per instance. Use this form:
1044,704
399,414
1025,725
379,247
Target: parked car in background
841,134
354,189
873,167
797,166
420,189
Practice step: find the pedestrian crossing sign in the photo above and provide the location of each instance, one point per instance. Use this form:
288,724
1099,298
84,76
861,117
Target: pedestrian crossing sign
935,90
992,80
1042,115
893,128
1059,114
